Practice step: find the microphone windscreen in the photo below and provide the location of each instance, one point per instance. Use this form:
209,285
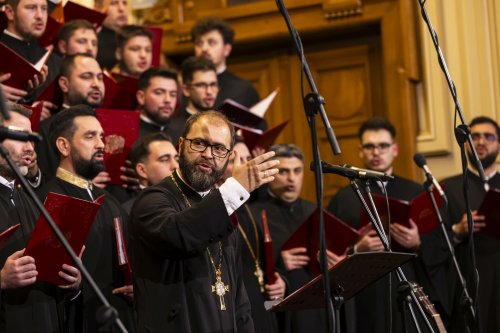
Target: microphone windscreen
419,160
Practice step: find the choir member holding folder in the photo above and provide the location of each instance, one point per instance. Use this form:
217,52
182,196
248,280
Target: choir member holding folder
485,135
378,149
27,304
78,138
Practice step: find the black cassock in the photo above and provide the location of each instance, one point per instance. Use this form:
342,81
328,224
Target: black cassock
487,255
283,219
429,269
173,276
100,255
38,307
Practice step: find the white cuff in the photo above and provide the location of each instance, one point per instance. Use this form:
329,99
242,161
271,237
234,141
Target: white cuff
233,194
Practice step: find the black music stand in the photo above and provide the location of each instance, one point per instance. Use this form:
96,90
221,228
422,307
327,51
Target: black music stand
347,278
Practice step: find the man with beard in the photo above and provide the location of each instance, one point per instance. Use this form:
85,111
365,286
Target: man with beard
77,36
81,82
183,242
78,139
26,305
157,99
200,88
485,135
373,306
26,22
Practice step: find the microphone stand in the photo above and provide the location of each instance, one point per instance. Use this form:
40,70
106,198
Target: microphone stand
377,224
314,104
108,314
461,140
467,300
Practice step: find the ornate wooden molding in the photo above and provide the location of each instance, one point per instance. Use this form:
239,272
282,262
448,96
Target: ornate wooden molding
336,9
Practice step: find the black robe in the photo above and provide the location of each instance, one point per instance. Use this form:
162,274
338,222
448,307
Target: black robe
40,306
47,155
176,125
487,256
172,272
100,255
264,321
283,219
428,269
33,52
106,46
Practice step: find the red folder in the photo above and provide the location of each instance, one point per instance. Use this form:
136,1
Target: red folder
73,11
122,254
268,250
75,218
53,94
239,114
36,112
22,71
157,33
339,236
490,209
6,234
50,34
118,95
122,129
256,138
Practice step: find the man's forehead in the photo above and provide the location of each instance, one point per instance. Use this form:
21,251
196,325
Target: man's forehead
88,123
211,128
376,136
484,127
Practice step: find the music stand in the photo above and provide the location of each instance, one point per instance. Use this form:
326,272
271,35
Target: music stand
347,278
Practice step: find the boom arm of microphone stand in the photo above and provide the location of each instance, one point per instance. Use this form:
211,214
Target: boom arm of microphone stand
5,154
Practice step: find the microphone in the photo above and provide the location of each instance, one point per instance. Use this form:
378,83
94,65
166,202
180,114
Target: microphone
18,134
422,163
352,172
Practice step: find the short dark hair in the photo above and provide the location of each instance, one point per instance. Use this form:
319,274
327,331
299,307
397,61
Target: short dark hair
129,31
194,64
377,124
208,24
485,120
18,108
287,151
68,29
140,148
63,122
210,114
68,63
147,75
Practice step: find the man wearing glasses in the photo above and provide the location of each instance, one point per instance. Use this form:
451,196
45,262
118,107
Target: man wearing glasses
184,247
378,149
199,87
485,135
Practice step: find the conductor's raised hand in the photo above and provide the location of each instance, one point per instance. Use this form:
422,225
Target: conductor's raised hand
256,172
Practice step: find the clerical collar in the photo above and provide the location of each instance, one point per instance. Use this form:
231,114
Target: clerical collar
201,194
279,201
191,111
222,69
73,179
9,184
10,34
488,177
148,120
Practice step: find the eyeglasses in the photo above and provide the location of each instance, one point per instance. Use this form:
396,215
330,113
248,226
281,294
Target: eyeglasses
382,147
489,137
200,146
205,86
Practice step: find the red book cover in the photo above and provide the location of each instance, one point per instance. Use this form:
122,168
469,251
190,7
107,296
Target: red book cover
268,250
53,94
50,34
36,112
157,33
256,138
126,81
239,114
6,234
73,11
420,210
22,71
489,208
117,96
122,253
339,236
122,129
74,217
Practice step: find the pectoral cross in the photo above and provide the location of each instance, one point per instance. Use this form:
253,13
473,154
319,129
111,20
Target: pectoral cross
220,289
260,276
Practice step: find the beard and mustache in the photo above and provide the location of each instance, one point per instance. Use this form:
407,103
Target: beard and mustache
197,179
87,169
486,161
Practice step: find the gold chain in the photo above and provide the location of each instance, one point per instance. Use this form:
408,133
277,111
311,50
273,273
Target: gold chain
259,274
218,288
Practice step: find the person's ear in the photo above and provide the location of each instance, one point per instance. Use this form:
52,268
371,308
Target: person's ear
63,146
63,84
140,96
